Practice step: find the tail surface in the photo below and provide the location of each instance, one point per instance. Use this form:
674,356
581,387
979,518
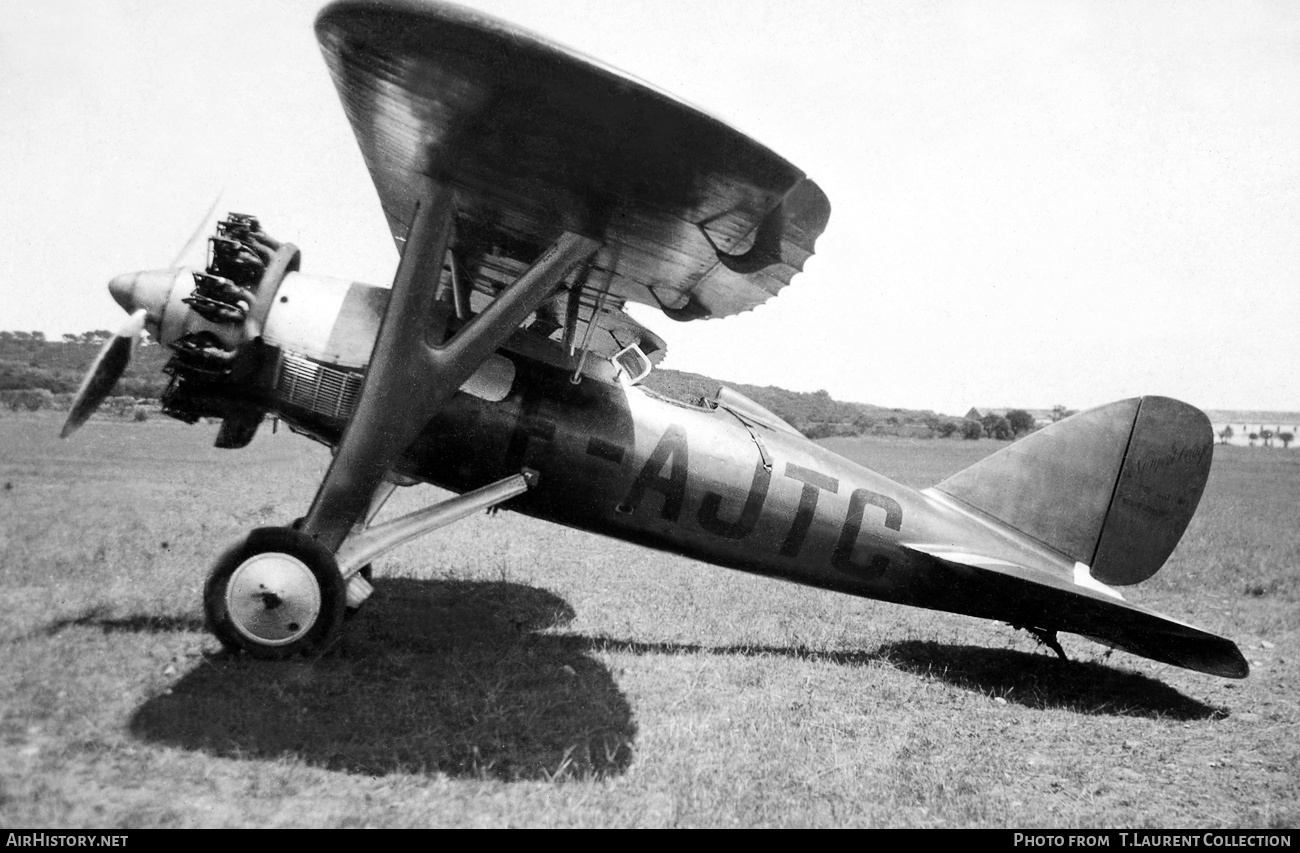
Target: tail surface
1112,488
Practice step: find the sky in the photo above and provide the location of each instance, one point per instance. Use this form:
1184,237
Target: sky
1032,203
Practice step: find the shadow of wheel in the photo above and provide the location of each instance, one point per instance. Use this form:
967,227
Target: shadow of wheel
447,676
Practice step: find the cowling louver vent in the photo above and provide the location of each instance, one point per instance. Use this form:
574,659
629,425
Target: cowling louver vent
316,387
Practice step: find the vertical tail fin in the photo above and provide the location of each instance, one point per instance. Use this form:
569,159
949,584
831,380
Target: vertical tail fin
1113,487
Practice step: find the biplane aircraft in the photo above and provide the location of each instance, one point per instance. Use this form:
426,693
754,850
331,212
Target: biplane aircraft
533,193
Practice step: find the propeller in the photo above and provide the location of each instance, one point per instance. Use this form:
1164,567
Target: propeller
109,366
200,233
137,292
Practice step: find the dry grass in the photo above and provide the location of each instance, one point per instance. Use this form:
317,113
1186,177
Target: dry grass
509,672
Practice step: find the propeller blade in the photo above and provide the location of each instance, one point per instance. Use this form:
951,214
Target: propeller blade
109,366
199,234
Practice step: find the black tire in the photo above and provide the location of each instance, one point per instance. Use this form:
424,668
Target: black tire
301,617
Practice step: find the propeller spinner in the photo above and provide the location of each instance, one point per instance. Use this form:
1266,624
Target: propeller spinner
144,296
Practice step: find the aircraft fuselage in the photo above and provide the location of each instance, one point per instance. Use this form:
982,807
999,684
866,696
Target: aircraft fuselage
698,481
724,481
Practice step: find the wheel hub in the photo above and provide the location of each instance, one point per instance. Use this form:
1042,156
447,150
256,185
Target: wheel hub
273,599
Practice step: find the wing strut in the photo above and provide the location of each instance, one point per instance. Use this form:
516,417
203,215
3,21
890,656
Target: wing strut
591,327
415,368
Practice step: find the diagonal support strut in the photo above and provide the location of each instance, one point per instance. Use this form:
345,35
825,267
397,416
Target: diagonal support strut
373,542
413,371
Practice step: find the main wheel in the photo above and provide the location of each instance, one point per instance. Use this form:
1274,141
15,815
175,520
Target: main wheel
275,594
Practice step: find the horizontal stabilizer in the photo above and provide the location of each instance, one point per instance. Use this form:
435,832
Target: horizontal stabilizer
993,588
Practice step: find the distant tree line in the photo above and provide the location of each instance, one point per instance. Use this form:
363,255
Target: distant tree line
1266,435
1013,424
818,415
37,399
98,337
28,361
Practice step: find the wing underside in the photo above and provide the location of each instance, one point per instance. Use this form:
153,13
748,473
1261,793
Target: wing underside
694,217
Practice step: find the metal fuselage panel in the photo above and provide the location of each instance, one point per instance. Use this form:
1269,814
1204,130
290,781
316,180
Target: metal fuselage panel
329,319
692,480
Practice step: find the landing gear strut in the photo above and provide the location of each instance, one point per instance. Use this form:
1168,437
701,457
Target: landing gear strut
279,592
283,591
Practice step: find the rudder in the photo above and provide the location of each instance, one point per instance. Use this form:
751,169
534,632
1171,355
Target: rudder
1156,494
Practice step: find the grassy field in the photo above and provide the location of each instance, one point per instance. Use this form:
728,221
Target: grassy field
512,673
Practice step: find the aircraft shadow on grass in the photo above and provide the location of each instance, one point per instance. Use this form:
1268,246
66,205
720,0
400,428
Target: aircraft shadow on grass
1023,678
454,676
1043,681
443,675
